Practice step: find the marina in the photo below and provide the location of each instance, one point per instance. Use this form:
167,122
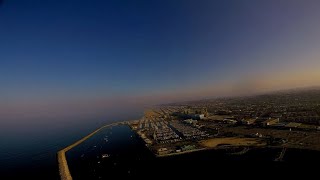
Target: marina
126,155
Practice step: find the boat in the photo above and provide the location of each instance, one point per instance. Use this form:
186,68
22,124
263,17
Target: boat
106,138
105,155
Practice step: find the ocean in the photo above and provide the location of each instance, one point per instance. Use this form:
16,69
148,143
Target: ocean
33,155
28,151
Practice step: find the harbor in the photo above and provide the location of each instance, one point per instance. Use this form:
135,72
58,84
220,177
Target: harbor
61,155
125,154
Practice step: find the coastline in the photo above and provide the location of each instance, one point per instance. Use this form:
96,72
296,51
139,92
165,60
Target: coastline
61,155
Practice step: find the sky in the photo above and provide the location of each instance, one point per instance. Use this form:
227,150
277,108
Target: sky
86,58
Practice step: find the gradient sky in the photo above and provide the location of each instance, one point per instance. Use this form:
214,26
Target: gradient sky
63,58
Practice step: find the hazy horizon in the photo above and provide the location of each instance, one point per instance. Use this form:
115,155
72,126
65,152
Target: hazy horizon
101,58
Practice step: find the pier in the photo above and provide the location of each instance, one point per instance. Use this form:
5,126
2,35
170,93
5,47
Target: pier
283,152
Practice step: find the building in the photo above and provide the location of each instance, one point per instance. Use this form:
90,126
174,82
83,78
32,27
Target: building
230,121
270,122
198,116
293,125
162,151
190,121
248,121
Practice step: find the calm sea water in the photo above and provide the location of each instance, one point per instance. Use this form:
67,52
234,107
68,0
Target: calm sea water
29,151
33,155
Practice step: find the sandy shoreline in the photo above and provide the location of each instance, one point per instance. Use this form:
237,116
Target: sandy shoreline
232,141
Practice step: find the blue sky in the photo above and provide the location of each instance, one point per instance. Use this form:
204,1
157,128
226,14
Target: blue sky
89,53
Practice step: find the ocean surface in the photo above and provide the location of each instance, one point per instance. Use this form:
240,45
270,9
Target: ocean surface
28,151
33,155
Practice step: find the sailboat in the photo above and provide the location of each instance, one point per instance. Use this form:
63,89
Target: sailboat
105,155
106,138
